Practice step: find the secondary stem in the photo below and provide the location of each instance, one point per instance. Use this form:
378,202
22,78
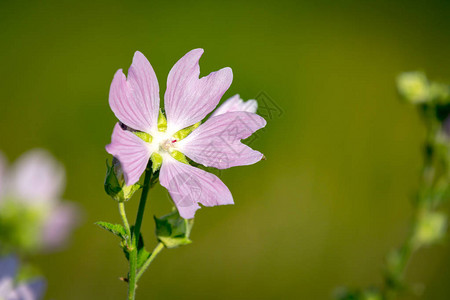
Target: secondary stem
123,215
135,236
159,247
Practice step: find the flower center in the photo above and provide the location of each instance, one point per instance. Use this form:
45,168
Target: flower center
164,143
168,145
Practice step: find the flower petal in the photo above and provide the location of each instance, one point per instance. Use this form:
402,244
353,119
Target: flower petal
58,225
33,290
217,142
131,151
189,186
235,103
189,99
36,178
135,101
8,270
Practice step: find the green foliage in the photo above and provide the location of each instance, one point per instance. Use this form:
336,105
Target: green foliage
369,294
20,228
428,226
116,229
172,230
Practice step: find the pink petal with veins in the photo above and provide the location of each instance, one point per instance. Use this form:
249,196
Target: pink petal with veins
189,186
217,142
135,101
131,151
189,99
235,103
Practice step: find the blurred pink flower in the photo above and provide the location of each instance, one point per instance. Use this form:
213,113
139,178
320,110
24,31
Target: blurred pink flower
9,290
188,99
36,182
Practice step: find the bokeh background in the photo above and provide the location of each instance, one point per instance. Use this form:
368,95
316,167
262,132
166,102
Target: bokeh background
343,153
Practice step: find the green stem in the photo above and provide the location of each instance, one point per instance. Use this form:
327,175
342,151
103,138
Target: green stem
135,236
123,215
428,178
149,260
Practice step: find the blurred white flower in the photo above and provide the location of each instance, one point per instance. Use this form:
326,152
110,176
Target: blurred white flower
31,210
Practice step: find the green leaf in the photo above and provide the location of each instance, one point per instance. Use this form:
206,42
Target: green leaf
172,230
115,229
142,256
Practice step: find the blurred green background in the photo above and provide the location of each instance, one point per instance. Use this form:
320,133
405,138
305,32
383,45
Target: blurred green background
343,154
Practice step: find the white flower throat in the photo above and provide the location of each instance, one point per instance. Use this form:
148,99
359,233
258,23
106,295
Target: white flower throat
163,143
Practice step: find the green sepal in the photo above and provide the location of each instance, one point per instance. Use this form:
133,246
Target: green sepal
156,161
172,230
181,134
179,156
162,122
115,229
144,136
129,190
116,188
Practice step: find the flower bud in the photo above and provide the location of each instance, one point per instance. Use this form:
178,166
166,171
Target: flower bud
430,228
414,87
115,183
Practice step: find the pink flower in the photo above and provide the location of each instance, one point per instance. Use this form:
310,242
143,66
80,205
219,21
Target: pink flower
9,290
188,99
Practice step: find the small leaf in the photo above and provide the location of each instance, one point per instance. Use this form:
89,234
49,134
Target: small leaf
172,230
115,229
